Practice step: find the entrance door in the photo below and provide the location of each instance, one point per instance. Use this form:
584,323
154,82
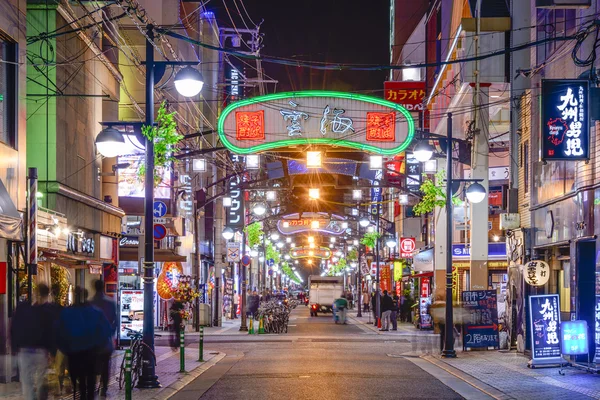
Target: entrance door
585,271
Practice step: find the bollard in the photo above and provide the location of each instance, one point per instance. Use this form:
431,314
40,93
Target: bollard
182,351
261,325
251,327
201,345
128,374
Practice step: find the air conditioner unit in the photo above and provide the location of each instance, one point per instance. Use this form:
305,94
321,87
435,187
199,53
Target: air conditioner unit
563,3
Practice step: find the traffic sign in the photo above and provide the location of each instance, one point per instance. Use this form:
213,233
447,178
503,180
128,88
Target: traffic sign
160,231
246,260
159,220
233,252
407,246
270,262
159,209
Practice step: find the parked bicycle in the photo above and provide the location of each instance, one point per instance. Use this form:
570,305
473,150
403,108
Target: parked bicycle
275,315
137,348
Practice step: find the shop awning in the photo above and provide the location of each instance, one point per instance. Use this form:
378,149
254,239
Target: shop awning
421,275
160,255
10,219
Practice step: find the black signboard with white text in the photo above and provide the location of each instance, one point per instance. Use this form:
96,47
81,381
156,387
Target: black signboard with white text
480,319
565,120
544,324
235,213
597,329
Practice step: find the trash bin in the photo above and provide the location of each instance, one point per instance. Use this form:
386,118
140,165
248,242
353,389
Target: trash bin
204,314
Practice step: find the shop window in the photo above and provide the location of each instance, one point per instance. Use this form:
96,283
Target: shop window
8,92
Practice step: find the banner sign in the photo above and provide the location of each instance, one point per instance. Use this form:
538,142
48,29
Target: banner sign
597,329
409,94
315,118
424,316
235,213
413,174
329,224
385,278
131,312
461,250
544,321
480,319
565,120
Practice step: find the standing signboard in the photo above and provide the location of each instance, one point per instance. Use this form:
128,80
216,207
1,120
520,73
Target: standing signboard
131,313
565,120
480,319
424,316
228,295
544,321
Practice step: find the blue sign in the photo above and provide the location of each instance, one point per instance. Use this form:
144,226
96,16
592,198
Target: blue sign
544,322
464,251
270,262
597,329
159,209
160,231
246,260
574,337
565,120
480,319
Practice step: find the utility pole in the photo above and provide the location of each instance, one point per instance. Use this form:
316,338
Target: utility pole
479,170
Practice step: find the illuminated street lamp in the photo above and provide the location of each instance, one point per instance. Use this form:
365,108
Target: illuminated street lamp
313,193
356,194
375,162
271,195
364,222
259,209
476,193
110,142
390,242
227,201
279,245
274,235
423,151
188,82
313,159
228,233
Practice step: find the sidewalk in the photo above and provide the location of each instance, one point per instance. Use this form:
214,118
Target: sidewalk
505,375
167,369
404,328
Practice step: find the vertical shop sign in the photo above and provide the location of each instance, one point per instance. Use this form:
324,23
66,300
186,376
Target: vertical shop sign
480,319
413,174
544,321
597,329
385,277
235,213
424,316
131,312
565,120
424,287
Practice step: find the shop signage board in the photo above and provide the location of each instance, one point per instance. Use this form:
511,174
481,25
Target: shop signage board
409,94
82,242
424,287
574,337
480,319
228,294
494,173
385,278
294,223
407,246
510,221
233,251
424,316
544,323
461,250
597,329
235,212
129,241
537,273
565,120
131,312
413,174
423,261
315,118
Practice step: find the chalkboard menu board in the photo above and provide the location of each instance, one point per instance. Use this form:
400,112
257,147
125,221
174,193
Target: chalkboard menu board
544,323
480,319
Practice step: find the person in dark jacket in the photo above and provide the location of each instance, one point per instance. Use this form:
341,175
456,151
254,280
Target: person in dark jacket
175,313
253,302
109,309
394,314
374,307
83,332
387,304
32,337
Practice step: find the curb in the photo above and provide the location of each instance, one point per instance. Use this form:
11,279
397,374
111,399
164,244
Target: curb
176,386
467,378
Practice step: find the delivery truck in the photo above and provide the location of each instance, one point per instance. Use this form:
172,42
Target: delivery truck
323,291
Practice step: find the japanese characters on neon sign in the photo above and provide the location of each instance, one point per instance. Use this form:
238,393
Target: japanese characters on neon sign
235,213
306,252
409,94
565,120
316,117
292,223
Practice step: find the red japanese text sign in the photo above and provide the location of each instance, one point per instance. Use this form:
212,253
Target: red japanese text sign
410,94
407,246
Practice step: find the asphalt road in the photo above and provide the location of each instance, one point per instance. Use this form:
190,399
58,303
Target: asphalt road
330,362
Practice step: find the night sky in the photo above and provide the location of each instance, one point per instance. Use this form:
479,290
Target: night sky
344,31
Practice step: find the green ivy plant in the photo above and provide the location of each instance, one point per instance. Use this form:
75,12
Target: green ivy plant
254,233
370,239
434,195
285,268
352,255
165,136
272,253
337,268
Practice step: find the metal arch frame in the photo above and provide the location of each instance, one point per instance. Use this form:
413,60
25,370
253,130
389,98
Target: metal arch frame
324,141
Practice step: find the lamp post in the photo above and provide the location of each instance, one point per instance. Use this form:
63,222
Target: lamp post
359,278
475,193
109,143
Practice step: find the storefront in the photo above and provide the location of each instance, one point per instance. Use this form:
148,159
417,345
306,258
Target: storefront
497,267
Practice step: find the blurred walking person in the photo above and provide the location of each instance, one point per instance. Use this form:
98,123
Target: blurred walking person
32,339
394,313
253,302
109,309
83,333
365,301
60,360
176,316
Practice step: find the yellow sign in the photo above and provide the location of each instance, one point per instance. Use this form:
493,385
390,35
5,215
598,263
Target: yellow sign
398,268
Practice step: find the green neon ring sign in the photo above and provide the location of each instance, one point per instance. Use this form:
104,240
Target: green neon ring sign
325,141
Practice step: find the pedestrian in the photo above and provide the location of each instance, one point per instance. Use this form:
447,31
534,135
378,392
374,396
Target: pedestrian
394,314
60,360
236,303
83,332
438,314
32,339
109,309
175,312
365,301
340,306
350,299
374,307
253,302
386,305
